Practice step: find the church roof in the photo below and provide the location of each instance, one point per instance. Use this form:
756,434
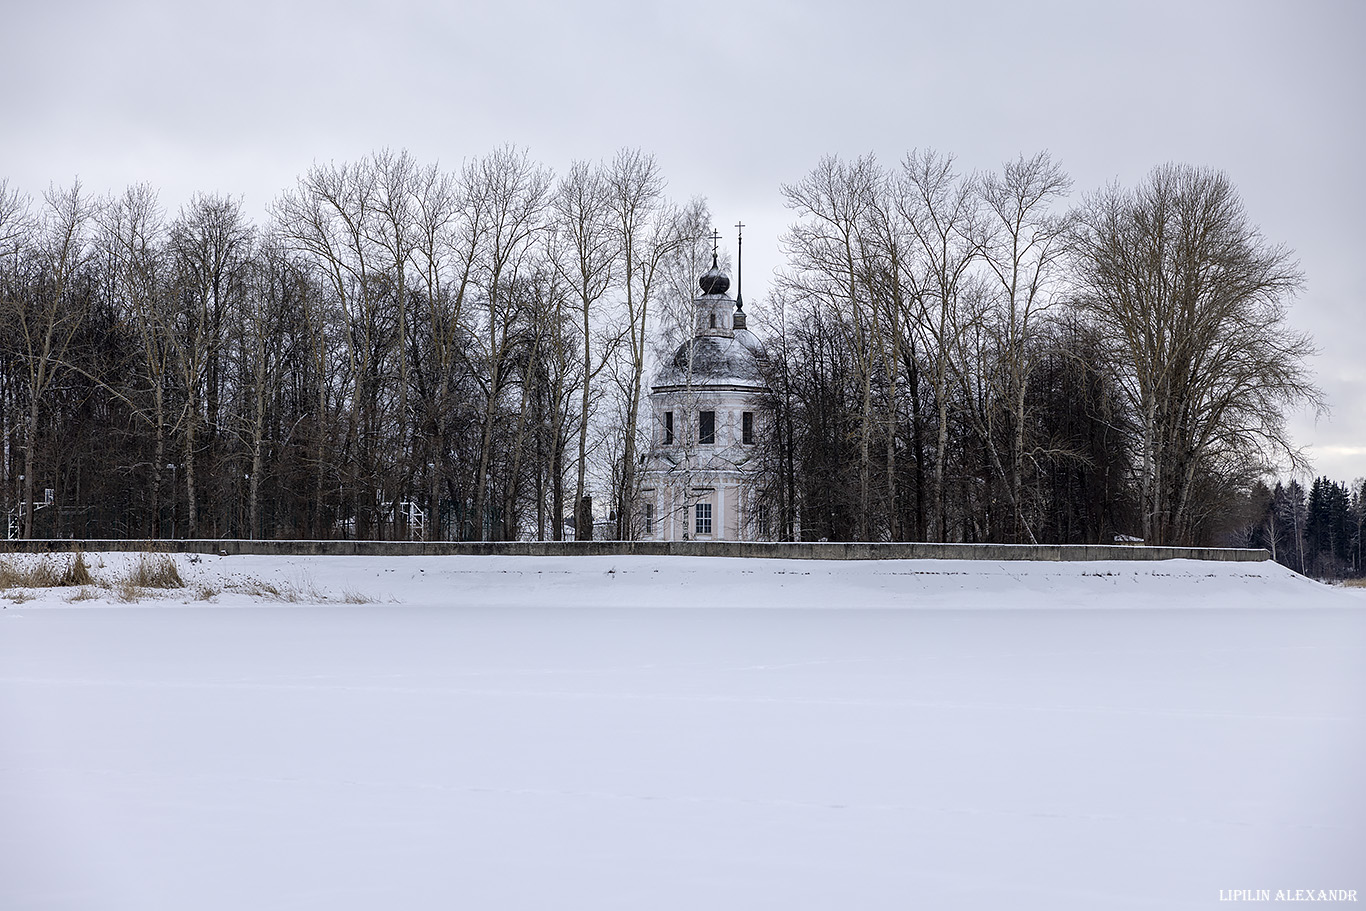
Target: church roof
717,360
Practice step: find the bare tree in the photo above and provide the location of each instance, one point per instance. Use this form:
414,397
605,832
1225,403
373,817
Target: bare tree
46,317
395,230
1194,301
1022,246
15,224
940,208
585,250
211,245
132,239
831,249
676,463
15,230
259,325
328,217
648,231
512,191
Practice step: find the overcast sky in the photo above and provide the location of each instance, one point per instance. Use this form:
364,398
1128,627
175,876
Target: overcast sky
734,99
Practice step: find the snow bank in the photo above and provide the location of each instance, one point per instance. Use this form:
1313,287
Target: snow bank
642,582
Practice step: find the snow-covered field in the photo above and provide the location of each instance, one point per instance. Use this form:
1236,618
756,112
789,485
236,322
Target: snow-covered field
689,733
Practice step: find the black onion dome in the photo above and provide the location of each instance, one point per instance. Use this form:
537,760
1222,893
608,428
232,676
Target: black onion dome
714,281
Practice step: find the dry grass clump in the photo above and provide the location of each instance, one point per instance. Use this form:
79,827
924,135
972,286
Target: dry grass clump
77,573
1355,583
299,591
44,574
302,590
150,571
153,571
18,575
256,588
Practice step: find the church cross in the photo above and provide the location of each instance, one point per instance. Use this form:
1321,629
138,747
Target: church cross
739,265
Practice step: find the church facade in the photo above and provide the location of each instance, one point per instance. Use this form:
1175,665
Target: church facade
705,404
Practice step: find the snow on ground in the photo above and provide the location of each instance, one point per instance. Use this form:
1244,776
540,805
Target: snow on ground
459,732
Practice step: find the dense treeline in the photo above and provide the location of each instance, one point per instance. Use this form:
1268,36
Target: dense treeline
1318,532
975,358
407,351
401,351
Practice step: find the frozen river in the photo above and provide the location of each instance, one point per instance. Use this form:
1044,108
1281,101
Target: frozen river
871,736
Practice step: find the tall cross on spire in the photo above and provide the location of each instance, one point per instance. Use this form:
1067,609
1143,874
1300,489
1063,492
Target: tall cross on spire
739,265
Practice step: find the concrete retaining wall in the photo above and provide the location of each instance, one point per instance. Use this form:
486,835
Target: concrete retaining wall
800,551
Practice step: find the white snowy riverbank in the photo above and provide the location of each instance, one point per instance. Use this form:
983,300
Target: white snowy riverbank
694,582
519,733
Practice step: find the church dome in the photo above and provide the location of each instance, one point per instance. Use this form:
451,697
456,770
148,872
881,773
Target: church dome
714,281
716,361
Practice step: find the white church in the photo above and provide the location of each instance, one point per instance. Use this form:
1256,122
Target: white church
698,484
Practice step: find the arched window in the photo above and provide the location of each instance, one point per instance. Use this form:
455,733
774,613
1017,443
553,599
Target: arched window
713,321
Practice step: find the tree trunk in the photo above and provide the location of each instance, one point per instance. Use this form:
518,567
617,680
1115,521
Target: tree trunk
158,462
31,437
583,522
626,500
191,509
486,452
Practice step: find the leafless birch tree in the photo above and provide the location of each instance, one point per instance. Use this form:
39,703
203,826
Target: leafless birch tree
46,318
648,233
585,251
941,212
1023,243
512,191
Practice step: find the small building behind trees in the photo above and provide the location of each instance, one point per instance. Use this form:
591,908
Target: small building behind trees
699,482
